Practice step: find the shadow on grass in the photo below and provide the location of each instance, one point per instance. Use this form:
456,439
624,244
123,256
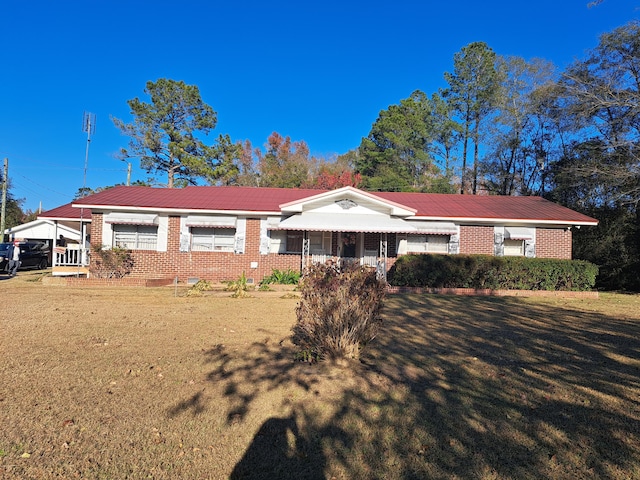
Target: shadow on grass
453,387
279,450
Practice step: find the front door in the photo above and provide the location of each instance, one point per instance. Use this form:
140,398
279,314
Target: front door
349,244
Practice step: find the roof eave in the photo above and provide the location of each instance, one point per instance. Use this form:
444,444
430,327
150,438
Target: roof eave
181,211
509,221
67,219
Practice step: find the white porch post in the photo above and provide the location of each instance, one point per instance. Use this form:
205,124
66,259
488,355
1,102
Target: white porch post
382,267
54,255
305,250
84,259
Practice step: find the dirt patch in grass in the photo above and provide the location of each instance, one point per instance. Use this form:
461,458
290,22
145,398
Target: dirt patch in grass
149,383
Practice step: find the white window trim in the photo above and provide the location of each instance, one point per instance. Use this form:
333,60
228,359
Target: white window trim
429,245
506,246
137,235
163,233
513,248
219,239
324,248
277,241
186,240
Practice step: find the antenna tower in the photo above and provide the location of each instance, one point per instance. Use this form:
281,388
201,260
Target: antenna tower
89,127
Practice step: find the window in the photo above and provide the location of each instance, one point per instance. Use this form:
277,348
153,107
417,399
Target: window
416,243
207,239
513,248
428,243
294,241
320,242
135,237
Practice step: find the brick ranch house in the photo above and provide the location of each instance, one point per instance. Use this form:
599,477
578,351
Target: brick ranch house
217,233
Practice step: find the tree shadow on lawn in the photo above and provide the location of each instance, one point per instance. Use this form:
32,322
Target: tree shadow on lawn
453,387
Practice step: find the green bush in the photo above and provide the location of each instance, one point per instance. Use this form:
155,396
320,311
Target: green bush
339,311
282,277
483,271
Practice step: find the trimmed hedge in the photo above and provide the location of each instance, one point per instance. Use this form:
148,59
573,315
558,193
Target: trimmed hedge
497,273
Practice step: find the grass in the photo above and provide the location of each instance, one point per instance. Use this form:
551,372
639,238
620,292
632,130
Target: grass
138,383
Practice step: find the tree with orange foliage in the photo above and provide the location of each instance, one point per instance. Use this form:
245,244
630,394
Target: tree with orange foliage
285,164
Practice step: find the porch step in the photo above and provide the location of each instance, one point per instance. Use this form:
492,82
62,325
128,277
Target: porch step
69,271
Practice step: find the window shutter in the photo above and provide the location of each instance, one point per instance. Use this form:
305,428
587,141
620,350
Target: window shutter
498,242
529,249
241,229
264,237
402,244
184,242
454,244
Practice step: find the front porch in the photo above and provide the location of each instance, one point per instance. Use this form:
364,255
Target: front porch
70,260
345,248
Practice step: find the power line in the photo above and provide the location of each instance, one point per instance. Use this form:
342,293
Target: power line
40,186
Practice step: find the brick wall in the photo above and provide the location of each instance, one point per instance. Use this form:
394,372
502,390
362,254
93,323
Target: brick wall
554,243
115,282
95,229
212,266
476,240
221,266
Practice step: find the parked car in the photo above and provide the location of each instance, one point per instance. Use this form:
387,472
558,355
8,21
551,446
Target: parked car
32,255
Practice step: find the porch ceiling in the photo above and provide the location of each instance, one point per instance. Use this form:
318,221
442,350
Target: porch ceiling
326,222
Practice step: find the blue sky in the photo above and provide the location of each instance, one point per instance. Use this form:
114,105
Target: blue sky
315,71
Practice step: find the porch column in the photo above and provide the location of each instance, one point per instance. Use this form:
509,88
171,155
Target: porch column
305,250
54,255
382,266
84,253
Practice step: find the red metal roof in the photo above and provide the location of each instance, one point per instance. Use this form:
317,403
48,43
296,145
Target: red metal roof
486,206
250,199
255,199
66,212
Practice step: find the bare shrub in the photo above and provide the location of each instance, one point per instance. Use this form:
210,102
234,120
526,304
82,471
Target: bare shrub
111,262
239,287
339,311
199,287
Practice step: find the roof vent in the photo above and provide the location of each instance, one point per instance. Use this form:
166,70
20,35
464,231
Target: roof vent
346,203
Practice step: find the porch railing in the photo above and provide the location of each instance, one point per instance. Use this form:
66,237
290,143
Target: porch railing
72,255
319,258
369,259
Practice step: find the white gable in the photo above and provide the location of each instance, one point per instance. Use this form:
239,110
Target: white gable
41,229
347,200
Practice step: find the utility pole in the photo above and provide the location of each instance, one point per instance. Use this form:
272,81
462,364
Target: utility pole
3,212
125,160
88,126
